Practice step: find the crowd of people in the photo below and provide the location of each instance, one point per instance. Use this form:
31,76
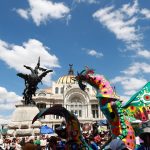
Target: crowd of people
48,142
41,142
96,139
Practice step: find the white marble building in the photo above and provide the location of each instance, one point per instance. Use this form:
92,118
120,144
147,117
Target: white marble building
67,93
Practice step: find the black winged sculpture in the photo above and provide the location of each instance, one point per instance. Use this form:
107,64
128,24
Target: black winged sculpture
32,80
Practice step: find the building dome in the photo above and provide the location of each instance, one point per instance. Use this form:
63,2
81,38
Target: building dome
67,79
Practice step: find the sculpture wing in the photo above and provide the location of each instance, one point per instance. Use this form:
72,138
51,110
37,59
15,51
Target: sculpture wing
44,74
21,75
139,104
55,110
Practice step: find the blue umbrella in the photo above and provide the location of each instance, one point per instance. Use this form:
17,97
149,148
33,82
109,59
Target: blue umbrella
46,130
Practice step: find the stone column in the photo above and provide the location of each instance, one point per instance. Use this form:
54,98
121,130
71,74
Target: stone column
50,116
89,111
84,111
99,113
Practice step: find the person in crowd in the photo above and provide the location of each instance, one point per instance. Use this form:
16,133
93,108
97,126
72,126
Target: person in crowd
43,142
37,142
18,146
138,141
29,145
1,144
22,142
116,144
26,139
52,143
97,140
7,144
13,144
60,144
92,143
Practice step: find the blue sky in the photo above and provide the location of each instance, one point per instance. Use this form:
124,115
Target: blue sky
111,37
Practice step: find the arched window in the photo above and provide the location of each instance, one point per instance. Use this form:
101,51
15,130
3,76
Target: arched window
95,110
76,106
56,90
41,94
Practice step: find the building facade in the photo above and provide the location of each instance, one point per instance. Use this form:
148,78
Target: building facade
66,92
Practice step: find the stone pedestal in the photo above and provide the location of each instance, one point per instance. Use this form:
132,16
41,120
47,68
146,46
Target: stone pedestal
21,122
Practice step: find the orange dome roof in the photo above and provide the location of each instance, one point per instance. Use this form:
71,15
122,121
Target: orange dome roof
68,79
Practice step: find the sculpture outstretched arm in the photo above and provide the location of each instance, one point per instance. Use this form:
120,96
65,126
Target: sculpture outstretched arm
29,68
42,69
38,63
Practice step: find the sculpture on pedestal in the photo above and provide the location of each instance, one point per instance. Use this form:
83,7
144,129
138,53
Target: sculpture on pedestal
32,80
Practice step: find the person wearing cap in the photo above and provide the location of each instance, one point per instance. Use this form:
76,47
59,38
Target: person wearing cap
43,142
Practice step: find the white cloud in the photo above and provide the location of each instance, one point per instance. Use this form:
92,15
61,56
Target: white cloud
5,119
124,99
130,85
7,103
68,18
129,9
7,106
132,79
23,13
8,97
121,22
27,54
43,10
94,53
144,53
146,13
130,92
137,68
135,46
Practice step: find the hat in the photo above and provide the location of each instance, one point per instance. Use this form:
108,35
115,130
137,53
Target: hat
117,144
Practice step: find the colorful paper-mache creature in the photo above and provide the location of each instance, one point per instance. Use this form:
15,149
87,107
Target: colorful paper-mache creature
74,137
139,104
110,105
